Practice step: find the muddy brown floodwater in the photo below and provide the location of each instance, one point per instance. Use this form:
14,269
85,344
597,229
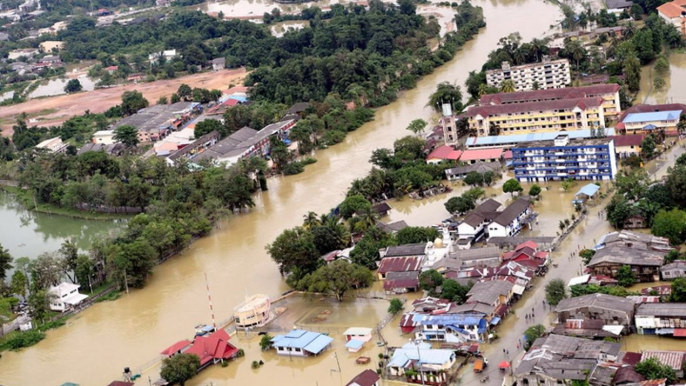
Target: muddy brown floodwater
97,344
672,92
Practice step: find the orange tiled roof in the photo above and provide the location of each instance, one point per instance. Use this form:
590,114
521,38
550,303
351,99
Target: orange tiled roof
672,9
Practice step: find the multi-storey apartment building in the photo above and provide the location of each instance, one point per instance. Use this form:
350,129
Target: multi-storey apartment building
562,158
532,117
609,93
547,74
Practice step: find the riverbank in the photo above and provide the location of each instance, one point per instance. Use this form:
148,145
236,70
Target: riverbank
17,340
25,198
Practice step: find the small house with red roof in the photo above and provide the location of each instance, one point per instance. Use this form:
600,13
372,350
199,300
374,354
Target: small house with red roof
212,349
365,378
528,251
627,145
111,69
177,348
443,153
473,156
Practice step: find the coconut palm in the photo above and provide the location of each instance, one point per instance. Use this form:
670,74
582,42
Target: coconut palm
649,209
367,218
508,85
311,220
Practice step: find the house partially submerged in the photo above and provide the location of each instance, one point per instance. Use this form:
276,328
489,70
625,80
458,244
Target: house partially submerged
492,293
588,328
430,365
673,270
401,282
461,172
65,296
557,359
661,318
213,348
301,343
512,219
611,310
399,264
454,328
474,224
528,254
365,378
643,253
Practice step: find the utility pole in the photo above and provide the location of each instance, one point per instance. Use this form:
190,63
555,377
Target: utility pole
209,298
335,354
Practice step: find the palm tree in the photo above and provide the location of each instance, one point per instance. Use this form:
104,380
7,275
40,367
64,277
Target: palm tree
577,52
508,85
367,218
649,209
537,46
311,220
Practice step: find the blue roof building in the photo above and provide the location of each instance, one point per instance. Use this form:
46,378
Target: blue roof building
564,158
432,365
650,121
301,343
585,193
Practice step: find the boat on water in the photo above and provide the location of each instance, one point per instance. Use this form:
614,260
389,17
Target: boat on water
255,311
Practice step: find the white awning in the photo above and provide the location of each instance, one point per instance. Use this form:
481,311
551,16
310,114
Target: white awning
518,289
613,329
579,280
75,299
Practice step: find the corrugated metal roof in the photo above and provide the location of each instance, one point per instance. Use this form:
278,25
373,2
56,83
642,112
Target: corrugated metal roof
653,116
502,140
674,359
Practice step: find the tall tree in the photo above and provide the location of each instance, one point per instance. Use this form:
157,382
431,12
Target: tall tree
555,291
294,248
132,101
73,85
446,93
417,126
180,368
69,252
19,283
127,135
185,92
337,278
207,126
5,263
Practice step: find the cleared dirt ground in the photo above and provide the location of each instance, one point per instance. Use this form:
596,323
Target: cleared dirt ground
55,110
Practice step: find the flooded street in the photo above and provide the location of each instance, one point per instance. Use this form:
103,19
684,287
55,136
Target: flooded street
28,234
672,92
97,344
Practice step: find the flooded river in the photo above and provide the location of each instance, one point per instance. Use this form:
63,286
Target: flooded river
98,343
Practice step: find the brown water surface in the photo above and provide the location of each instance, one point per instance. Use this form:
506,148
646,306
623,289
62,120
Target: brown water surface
98,343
